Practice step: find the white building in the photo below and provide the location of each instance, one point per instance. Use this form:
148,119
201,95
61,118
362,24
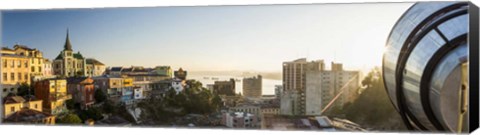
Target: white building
240,120
278,91
308,87
294,80
138,93
94,67
252,109
290,103
47,68
323,86
178,85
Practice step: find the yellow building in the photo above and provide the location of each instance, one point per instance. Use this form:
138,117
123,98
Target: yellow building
127,82
54,94
14,104
35,59
94,67
15,71
30,116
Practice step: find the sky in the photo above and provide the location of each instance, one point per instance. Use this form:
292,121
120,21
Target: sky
206,38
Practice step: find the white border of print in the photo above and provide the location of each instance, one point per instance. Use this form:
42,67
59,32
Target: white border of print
68,130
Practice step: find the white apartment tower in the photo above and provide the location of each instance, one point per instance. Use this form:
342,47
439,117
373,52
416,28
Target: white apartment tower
323,86
294,83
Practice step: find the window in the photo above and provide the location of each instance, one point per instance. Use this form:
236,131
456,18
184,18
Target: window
39,69
4,90
5,77
19,76
36,106
11,89
26,76
12,109
19,64
4,63
12,76
33,69
26,64
12,63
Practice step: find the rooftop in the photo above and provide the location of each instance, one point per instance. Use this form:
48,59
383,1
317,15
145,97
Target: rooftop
116,69
6,49
240,114
307,122
93,61
113,120
13,55
23,47
13,99
27,115
76,80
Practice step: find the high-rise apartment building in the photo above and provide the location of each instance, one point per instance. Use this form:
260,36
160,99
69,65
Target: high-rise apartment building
224,87
294,73
252,87
323,86
308,87
294,80
278,91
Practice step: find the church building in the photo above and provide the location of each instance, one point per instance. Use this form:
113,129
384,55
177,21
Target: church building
69,63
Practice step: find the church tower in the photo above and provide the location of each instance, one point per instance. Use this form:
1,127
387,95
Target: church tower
67,57
69,63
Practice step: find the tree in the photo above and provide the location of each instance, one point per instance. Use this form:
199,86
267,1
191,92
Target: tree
108,107
217,101
100,96
373,100
70,104
70,119
91,113
24,90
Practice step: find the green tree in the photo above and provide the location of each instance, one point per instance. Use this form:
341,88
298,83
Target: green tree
70,104
108,107
217,102
373,108
100,96
70,119
24,90
95,113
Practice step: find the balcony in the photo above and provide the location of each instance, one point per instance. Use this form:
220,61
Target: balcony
55,97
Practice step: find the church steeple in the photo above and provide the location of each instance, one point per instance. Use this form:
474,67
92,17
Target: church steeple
67,45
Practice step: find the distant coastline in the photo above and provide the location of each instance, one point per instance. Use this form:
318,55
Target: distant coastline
266,75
